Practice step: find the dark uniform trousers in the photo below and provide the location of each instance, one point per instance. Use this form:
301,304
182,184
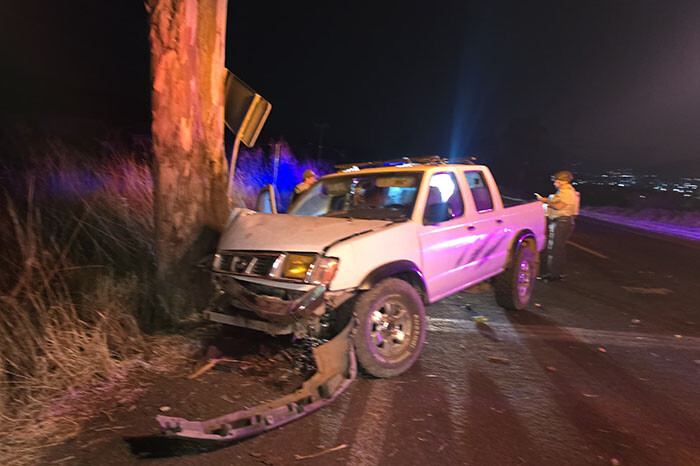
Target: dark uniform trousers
560,230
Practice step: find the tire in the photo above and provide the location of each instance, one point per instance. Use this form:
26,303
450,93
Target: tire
390,328
513,287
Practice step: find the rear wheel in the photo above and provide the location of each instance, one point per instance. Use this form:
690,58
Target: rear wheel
391,328
513,287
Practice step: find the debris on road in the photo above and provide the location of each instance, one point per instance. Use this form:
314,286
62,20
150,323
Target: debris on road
210,364
110,428
538,305
164,409
602,350
615,461
62,460
261,458
323,452
642,290
480,319
499,360
635,321
678,336
551,368
478,288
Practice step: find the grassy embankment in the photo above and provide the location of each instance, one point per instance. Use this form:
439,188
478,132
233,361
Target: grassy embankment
76,289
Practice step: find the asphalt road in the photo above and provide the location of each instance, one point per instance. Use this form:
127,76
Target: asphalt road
603,368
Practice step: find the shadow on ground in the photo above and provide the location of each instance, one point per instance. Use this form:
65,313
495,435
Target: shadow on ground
159,446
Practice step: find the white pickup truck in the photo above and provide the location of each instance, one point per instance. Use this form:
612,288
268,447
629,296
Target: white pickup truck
376,245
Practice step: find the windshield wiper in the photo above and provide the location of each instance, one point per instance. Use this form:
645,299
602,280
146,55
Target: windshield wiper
337,214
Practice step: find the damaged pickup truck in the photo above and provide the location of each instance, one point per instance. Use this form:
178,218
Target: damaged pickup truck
374,245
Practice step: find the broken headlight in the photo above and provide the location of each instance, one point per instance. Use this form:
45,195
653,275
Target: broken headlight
322,270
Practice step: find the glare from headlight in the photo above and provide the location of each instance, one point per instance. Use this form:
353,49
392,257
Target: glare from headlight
296,266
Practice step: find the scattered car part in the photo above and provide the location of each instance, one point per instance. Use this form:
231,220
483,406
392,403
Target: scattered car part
337,369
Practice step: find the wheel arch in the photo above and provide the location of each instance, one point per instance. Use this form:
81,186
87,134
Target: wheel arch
526,237
402,269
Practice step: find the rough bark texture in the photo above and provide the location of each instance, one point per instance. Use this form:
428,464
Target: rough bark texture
187,70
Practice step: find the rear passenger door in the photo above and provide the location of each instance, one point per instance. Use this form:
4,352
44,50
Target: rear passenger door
487,221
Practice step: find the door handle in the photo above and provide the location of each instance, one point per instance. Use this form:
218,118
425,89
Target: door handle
499,221
471,228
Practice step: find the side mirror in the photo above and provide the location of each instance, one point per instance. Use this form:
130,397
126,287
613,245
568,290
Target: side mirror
436,213
266,202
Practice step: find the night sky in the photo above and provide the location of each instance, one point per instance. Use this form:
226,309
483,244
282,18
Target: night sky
587,81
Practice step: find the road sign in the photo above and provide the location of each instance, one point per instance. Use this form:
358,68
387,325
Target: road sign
245,111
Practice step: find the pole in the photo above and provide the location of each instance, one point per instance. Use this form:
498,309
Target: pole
277,163
232,170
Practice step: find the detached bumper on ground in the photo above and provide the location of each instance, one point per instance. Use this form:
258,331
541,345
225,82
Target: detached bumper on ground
336,370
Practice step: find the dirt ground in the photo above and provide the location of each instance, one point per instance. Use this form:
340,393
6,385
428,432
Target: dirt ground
252,368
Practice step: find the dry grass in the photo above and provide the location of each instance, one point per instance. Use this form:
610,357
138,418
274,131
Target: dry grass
76,253
76,267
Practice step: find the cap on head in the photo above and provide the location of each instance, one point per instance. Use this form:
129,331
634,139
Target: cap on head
563,175
309,174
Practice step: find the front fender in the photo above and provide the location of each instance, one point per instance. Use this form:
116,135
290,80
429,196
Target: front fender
403,269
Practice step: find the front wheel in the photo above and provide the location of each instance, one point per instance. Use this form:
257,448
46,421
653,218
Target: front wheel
391,328
513,287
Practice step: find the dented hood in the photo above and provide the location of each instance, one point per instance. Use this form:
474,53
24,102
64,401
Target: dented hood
255,231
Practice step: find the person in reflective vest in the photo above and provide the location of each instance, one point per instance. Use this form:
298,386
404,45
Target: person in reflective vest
562,209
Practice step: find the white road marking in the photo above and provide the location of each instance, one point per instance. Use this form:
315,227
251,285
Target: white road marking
630,339
457,388
369,445
331,423
590,251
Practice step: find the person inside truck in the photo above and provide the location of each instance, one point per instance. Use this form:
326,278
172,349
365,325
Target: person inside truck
309,179
562,208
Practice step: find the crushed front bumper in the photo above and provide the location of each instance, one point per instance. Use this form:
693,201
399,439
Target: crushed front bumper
242,307
337,368
272,308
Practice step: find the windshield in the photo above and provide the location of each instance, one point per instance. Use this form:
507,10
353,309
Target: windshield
378,196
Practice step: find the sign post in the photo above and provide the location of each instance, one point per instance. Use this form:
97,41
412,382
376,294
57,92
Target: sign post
245,113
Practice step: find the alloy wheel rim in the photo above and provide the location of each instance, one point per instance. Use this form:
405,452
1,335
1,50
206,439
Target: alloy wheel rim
524,279
390,329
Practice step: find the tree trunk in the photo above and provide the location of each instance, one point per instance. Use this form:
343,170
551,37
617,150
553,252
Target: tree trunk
187,69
